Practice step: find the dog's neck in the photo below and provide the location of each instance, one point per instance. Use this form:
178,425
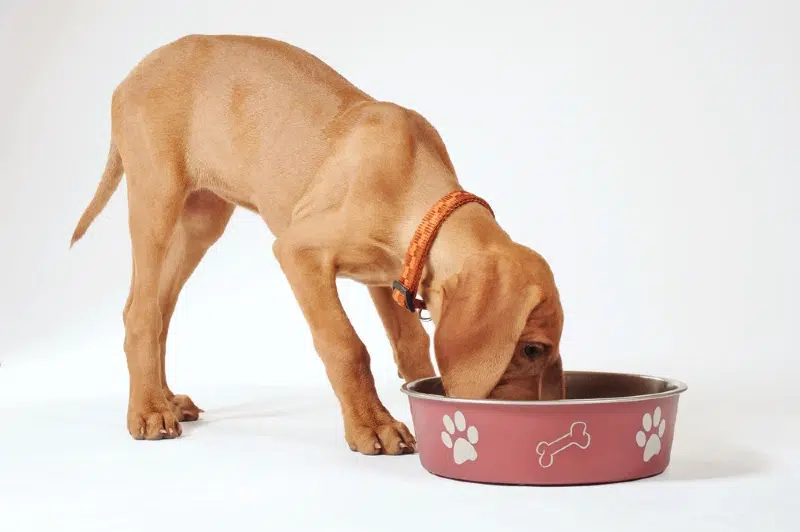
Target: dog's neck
470,229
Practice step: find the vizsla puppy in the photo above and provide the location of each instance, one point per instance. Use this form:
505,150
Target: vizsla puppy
208,123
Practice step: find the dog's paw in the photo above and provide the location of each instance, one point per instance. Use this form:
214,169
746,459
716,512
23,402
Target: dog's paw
185,409
155,423
386,437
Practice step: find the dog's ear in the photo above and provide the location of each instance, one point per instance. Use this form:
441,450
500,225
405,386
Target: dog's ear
483,312
552,385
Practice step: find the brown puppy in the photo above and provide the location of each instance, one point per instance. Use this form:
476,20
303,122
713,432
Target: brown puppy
207,123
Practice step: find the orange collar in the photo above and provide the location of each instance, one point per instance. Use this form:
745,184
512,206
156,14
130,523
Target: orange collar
404,290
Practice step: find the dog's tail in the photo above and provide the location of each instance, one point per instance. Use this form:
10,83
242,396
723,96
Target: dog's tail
108,184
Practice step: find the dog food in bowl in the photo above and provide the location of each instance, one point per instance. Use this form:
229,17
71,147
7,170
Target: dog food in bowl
611,427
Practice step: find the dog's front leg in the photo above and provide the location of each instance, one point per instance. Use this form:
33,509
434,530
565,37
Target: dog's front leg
369,428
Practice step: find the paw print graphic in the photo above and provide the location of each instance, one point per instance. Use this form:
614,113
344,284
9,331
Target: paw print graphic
464,444
649,438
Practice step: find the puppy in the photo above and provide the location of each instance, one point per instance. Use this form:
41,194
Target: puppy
208,123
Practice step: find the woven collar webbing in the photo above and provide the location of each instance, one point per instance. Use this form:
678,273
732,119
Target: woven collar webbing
404,290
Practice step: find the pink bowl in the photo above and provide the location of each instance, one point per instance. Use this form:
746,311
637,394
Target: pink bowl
611,427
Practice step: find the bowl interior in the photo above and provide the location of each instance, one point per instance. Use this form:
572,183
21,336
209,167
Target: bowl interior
584,385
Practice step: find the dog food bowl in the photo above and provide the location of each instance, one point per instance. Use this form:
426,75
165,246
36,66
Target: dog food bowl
611,427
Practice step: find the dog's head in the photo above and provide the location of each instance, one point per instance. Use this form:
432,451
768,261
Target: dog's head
499,328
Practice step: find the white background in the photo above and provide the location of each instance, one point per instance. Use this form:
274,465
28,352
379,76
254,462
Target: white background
649,150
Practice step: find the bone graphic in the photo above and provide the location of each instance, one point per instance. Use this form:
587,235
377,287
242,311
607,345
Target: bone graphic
576,436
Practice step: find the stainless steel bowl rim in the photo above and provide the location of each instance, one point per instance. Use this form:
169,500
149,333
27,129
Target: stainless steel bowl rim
677,387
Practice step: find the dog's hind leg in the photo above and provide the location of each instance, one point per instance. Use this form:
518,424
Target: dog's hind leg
203,220
408,338
156,192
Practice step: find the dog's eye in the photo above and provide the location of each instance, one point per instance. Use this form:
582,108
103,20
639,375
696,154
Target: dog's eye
534,350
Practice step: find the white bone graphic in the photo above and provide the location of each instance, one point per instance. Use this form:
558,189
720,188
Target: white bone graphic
576,436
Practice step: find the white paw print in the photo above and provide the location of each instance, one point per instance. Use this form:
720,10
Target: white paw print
651,444
463,448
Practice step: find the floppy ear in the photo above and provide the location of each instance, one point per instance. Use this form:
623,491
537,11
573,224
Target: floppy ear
483,312
552,385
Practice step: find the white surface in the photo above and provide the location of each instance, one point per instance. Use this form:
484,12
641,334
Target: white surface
648,150
272,457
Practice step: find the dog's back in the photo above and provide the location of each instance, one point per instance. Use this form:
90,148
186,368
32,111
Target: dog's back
253,120
240,112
